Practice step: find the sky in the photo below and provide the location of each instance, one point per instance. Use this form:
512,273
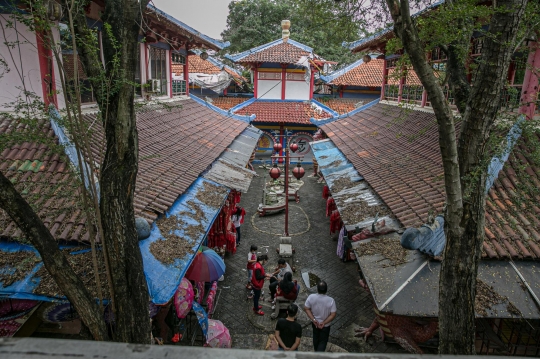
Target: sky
206,16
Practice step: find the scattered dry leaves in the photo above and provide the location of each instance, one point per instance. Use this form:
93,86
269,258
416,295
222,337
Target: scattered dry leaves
341,184
22,262
390,249
487,298
359,210
212,195
172,247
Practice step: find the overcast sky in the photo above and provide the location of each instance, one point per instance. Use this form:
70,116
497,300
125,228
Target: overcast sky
206,16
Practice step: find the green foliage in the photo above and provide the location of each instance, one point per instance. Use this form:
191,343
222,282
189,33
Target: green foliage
318,24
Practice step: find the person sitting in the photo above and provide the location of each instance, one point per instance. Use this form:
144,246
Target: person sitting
288,288
282,268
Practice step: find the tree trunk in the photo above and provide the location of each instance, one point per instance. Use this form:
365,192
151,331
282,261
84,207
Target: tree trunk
462,254
118,177
54,260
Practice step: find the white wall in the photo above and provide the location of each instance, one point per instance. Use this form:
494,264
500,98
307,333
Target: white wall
22,61
269,89
296,90
58,81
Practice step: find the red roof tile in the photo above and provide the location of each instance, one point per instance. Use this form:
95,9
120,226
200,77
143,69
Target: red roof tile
227,103
405,169
175,147
282,112
342,105
198,65
366,74
282,52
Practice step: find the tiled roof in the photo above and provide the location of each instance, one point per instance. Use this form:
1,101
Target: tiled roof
42,174
342,105
282,112
411,77
175,146
405,169
198,65
226,103
276,51
513,232
365,74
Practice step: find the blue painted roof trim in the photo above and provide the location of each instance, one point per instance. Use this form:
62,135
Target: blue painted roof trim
326,108
335,74
497,162
69,148
355,44
222,112
260,48
219,44
345,115
242,105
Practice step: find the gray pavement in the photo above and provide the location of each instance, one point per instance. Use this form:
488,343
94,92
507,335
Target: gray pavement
315,252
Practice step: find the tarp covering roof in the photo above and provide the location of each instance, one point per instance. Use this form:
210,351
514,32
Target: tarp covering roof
163,280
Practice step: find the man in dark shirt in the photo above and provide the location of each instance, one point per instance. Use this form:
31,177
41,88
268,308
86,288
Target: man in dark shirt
288,331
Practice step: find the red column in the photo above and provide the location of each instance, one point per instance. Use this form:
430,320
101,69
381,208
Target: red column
529,92
46,67
424,97
282,140
186,70
255,81
384,79
170,72
311,83
283,80
146,66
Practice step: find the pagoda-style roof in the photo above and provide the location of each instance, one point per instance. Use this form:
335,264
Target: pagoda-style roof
358,73
376,40
276,51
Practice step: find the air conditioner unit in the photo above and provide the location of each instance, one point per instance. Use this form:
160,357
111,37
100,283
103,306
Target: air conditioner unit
154,86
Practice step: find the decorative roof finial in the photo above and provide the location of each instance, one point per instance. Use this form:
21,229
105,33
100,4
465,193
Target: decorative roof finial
285,25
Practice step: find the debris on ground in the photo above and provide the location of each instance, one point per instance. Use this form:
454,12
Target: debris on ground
390,249
487,298
342,183
358,211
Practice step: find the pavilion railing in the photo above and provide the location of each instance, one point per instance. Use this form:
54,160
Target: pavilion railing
178,87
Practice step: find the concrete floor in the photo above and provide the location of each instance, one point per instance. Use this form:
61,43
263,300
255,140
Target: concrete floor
315,252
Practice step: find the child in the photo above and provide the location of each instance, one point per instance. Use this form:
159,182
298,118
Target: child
252,258
238,219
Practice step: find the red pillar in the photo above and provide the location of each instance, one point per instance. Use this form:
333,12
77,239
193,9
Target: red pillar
424,98
282,140
529,92
384,79
170,72
283,80
146,66
255,81
311,83
46,67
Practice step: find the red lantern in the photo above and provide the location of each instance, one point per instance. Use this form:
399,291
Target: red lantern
275,172
294,147
298,172
277,147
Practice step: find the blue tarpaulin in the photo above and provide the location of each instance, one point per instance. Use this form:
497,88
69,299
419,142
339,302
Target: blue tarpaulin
24,288
163,279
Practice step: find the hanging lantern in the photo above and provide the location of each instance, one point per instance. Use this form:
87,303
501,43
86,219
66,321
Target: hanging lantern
298,172
275,172
366,58
277,146
204,55
294,147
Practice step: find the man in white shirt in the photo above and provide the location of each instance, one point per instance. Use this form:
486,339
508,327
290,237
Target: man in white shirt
321,309
282,268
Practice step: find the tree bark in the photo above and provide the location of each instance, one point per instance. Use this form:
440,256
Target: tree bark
464,164
54,260
120,163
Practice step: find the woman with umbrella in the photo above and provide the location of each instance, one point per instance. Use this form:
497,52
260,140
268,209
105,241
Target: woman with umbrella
257,282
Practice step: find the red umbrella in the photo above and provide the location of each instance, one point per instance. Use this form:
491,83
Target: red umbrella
207,266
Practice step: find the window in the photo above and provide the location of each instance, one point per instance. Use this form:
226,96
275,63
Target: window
178,59
520,69
392,63
477,45
269,75
158,69
437,54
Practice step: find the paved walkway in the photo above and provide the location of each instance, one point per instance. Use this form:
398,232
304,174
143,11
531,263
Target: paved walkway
315,252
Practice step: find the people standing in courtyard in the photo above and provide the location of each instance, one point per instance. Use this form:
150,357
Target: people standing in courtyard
237,219
282,268
257,282
321,310
251,259
288,331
